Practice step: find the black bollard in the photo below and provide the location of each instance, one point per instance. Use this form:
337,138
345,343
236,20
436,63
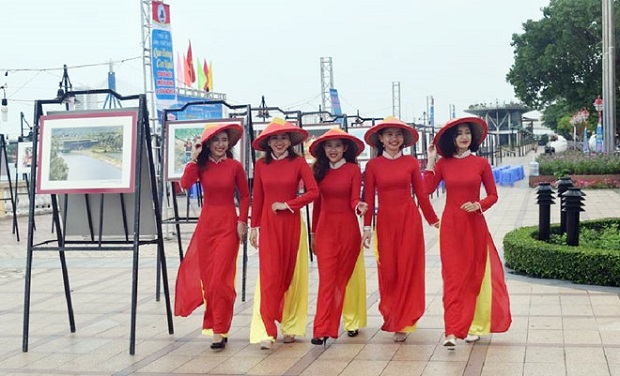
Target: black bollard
573,204
563,184
544,201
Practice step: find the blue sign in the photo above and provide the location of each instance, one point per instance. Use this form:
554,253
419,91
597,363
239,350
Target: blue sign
163,65
599,138
197,112
333,94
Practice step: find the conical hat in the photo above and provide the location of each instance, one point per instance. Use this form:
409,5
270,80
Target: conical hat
279,126
478,127
372,136
336,133
234,130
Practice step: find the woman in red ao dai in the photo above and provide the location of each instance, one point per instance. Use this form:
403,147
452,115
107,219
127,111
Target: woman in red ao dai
336,240
282,292
475,297
400,239
207,273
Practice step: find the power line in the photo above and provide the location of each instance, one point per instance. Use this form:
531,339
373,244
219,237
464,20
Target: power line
10,70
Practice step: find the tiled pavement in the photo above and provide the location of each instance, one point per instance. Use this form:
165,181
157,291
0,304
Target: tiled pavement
558,328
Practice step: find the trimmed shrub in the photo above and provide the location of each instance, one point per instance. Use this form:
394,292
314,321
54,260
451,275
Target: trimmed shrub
584,265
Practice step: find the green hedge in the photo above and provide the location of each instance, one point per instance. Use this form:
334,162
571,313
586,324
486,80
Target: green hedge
592,266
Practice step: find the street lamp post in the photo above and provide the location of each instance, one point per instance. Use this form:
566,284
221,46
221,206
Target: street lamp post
598,105
608,125
5,105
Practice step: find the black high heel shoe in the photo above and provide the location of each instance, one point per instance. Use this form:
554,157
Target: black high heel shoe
353,333
319,341
219,345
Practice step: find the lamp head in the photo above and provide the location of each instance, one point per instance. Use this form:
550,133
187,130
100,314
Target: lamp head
4,108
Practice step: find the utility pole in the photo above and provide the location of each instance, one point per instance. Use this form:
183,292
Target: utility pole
609,78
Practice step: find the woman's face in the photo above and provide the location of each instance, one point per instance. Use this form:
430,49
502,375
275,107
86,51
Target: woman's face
392,139
463,138
279,143
218,145
334,149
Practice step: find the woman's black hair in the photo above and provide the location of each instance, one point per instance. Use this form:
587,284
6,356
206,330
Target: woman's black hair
268,152
321,165
203,157
379,147
447,143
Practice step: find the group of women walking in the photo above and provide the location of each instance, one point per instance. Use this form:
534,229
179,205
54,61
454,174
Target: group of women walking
475,297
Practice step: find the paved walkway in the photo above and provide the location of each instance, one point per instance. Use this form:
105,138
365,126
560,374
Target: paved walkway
559,328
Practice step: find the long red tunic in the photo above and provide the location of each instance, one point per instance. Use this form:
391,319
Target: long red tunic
279,235
337,242
466,245
207,273
400,239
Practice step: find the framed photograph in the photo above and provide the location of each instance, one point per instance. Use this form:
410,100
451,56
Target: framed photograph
87,152
315,131
180,139
359,132
24,157
257,128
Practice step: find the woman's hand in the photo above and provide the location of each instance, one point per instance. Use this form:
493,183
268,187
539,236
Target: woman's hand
361,208
366,238
431,153
242,230
254,237
279,206
196,150
471,206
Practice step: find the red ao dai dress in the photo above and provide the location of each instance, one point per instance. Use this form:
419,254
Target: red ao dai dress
282,291
475,296
337,242
207,272
400,238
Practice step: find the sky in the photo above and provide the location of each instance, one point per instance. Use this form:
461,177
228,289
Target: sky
456,51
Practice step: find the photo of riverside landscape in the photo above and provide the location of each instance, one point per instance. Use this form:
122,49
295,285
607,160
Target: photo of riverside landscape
184,139
86,153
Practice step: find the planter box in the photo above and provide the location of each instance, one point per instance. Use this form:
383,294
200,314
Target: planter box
534,180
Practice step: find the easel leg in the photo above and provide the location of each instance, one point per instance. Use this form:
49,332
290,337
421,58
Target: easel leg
28,278
63,262
175,206
8,175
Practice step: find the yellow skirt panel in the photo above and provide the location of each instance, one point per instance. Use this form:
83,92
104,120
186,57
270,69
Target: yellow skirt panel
295,314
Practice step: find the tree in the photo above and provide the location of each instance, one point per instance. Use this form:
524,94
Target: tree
558,60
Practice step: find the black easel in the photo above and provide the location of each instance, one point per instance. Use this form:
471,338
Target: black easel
177,219
144,175
5,162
